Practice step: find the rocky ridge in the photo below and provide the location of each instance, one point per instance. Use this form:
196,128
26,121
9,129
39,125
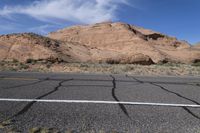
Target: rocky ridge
99,43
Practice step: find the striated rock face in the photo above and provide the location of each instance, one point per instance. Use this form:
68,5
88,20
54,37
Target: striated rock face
127,41
102,42
26,46
32,46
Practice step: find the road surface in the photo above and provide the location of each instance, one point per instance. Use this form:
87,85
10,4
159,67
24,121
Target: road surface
98,103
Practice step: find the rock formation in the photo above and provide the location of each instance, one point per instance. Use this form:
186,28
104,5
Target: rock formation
99,43
127,41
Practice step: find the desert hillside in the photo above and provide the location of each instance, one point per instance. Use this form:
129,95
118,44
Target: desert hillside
26,46
130,43
99,43
197,45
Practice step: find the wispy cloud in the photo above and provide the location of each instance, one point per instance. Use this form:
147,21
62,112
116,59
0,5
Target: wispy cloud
78,11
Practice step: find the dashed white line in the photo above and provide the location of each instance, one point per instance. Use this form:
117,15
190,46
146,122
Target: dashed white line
99,102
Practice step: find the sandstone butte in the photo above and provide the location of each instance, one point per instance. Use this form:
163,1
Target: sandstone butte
102,42
197,45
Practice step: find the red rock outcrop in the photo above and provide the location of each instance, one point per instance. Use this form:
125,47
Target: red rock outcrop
126,41
102,42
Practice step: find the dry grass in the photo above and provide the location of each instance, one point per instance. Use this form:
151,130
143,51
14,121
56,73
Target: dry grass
43,130
166,69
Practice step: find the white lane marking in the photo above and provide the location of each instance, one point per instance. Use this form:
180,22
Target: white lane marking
99,102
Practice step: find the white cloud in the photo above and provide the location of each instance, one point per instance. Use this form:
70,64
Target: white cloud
79,11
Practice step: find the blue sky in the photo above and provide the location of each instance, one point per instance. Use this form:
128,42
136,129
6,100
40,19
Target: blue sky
179,18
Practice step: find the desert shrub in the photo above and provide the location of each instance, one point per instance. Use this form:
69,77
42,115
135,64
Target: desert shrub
129,68
12,69
2,63
84,65
48,65
52,59
112,61
197,64
15,61
23,66
170,64
30,61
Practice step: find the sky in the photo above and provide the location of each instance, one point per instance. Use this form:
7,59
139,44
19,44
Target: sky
177,18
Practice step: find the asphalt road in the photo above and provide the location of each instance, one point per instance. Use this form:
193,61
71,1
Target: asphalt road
98,103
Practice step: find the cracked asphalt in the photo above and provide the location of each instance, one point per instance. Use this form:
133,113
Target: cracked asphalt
91,117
